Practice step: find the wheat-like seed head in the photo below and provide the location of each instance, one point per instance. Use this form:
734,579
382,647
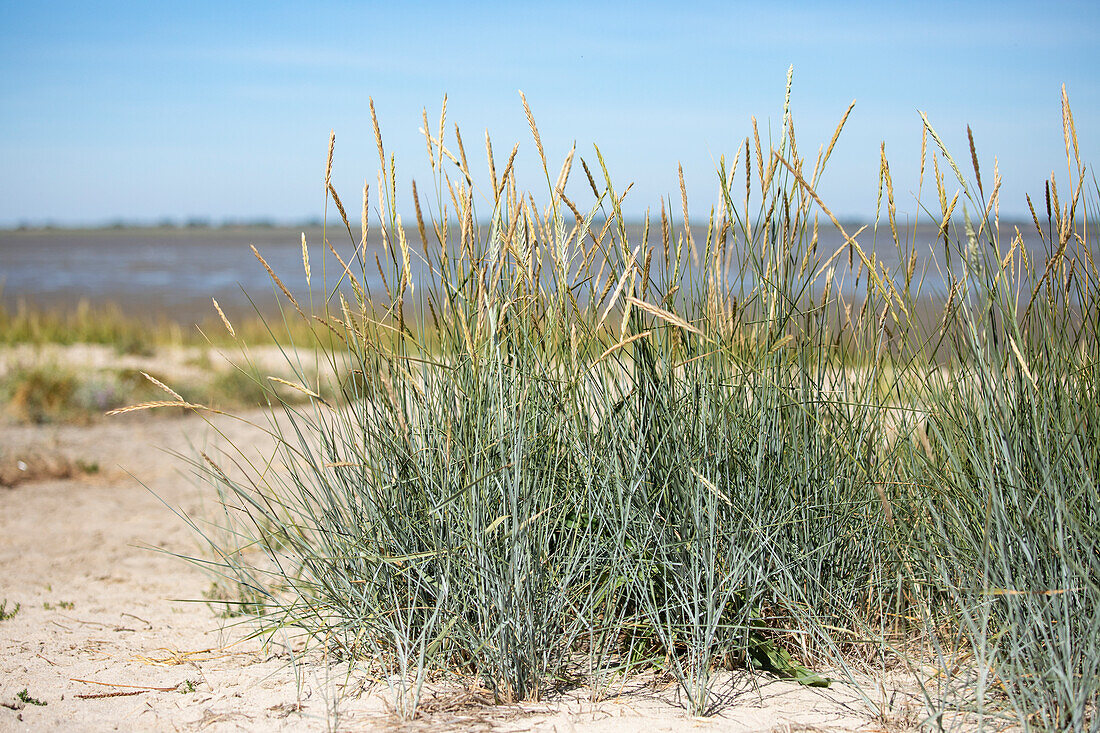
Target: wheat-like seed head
507,175
787,99
465,167
948,211
974,159
1065,132
1054,205
442,127
228,325
591,179
941,192
163,386
304,390
576,215
759,153
664,315
623,343
377,135
393,183
305,258
563,175
158,403
790,136
833,140
275,278
492,166
428,138
405,261
328,160
943,148
687,223
1072,129
1034,218
891,210
420,220
340,208
994,199
534,130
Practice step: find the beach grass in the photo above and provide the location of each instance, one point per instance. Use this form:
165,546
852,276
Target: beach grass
561,456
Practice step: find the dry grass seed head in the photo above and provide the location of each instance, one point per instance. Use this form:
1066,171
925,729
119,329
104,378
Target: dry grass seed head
221,314
759,154
377,135
419,220
305,258
833,140
163,386
534,132
428,138
328,160
340,208
492,165
465,167
275,278
563,175
974,159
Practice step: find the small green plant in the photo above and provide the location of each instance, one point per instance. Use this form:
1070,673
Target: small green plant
5,614
66,605
25,697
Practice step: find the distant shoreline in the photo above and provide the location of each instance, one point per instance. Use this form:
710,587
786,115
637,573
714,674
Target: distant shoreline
852,224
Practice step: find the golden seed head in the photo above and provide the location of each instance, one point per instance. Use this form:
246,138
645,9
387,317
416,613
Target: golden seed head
305,257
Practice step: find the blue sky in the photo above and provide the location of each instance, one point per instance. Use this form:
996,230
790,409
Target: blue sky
140,111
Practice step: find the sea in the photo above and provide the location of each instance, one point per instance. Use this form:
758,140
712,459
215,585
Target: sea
174,272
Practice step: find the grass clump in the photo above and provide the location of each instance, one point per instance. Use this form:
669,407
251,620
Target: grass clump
27,699
5,614
47,393
64,605
39,394
564,455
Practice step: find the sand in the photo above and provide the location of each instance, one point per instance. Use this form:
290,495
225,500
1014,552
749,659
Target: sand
112,633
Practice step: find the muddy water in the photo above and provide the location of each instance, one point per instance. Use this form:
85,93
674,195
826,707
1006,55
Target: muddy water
174,272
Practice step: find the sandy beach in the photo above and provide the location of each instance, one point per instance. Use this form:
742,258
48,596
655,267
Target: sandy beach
111,632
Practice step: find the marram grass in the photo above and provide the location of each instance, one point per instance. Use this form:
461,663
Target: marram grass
567,455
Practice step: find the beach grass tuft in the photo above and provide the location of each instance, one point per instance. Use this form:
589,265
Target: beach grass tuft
548,456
